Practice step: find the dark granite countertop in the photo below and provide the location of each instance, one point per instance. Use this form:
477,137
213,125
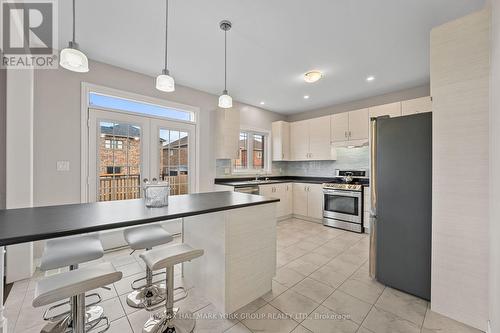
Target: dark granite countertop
39,223
280,179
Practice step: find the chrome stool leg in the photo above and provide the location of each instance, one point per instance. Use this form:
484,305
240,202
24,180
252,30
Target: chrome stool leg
149,294
171,320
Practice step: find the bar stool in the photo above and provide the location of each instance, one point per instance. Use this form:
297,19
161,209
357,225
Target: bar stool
145,238
70,252
170,320
74,284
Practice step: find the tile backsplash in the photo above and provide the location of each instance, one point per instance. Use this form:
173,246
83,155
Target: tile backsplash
347,158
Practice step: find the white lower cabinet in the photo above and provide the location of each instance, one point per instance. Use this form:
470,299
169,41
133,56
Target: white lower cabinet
308,200
282,191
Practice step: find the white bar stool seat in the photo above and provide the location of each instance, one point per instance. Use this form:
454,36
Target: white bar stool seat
74,284
145,238
71,251
166,258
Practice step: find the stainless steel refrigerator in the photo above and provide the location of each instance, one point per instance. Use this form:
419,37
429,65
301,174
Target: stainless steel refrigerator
401,207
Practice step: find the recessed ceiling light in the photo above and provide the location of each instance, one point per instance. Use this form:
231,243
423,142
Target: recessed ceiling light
262,103
370,78
312,76
306,96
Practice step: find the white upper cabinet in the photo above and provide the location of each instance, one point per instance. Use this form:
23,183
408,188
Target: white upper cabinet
340,127
310,140
281,140
350,128
319,139
227,134
299,140
392,110
358,124
418,105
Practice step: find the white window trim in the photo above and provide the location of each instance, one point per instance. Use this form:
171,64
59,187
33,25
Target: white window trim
267,154
87,88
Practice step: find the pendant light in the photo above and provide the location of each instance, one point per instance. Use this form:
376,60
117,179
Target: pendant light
164,81
71,58
225,101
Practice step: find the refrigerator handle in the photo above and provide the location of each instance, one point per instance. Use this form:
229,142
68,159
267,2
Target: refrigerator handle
373,198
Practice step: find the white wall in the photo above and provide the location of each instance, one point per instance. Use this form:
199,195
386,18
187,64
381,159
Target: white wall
19,163
494,171
3,113
460,78
57,125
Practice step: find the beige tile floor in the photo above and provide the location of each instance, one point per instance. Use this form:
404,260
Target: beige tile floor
321,285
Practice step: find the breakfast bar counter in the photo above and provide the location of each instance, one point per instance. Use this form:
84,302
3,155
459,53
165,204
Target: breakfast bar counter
236,230
38,223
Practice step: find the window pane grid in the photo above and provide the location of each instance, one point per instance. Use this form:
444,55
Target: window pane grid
252,152
174,160
119,161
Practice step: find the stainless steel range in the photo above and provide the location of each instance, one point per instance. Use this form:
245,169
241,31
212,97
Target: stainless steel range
343,204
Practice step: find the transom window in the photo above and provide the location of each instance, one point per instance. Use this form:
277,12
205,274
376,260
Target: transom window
116,103
252,153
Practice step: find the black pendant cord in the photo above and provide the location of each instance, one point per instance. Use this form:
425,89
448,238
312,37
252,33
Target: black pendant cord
166,36
73,21
225,60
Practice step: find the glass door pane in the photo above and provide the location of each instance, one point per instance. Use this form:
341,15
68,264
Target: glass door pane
174,148
119,156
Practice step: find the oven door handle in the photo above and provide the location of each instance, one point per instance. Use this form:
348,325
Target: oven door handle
343,193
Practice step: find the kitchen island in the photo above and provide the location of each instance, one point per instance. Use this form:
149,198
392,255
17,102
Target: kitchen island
236,230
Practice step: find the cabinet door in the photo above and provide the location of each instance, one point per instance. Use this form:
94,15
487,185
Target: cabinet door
288,188
299,140
340,127
319,139
281,140
315,201
270,191
392,110
227,133
358,124
417,105
300,199
266,191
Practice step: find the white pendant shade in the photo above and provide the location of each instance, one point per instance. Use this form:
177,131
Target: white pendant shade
225,101
165,82
74,60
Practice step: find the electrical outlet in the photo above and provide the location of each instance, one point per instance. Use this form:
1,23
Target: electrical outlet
227,171
62,166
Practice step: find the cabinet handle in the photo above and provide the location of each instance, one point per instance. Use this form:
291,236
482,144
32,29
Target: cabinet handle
345,134
349,133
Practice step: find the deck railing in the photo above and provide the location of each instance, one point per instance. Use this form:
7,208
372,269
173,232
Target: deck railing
121,187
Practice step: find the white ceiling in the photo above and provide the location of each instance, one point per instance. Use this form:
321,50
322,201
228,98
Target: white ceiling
272,43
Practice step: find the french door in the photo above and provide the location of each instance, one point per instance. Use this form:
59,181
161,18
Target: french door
126,149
